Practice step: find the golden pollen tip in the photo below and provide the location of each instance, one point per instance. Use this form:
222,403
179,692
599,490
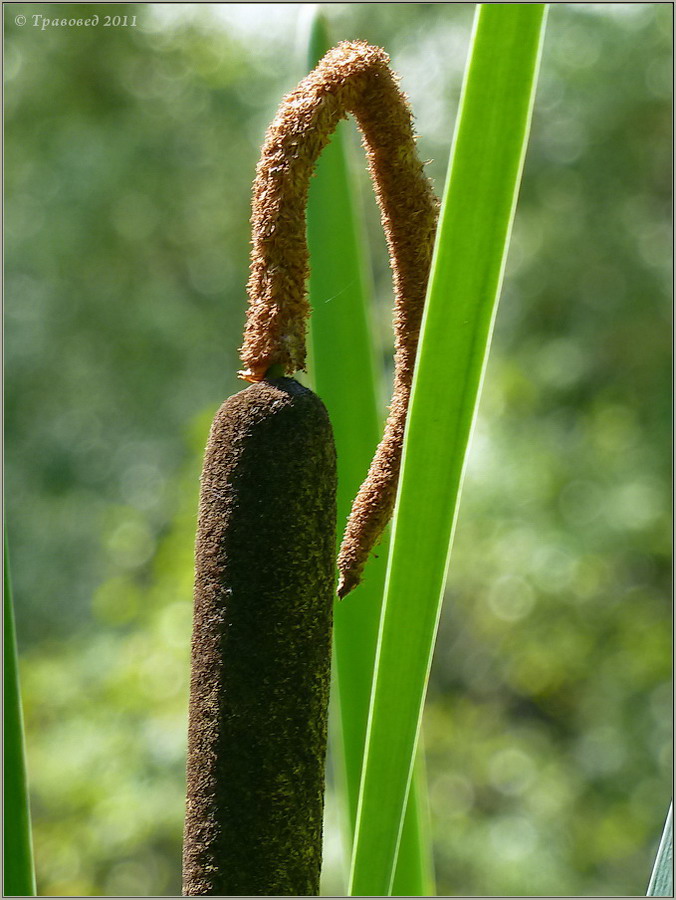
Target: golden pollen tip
248,375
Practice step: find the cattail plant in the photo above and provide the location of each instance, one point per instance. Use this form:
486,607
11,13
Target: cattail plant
264,554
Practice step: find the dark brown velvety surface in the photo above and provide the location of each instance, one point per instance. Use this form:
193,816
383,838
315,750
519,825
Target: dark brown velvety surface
264,590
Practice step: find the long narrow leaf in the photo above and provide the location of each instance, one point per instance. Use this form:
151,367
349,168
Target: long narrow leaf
345,378
19,876
662,878
479,201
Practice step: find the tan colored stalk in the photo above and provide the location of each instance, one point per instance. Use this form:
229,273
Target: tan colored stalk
355,78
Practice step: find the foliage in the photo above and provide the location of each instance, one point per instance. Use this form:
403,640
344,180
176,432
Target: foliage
129,158
465,280
345,376
662,878
18,870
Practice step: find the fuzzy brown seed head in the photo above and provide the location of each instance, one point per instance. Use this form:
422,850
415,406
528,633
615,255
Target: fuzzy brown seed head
353,77
261,648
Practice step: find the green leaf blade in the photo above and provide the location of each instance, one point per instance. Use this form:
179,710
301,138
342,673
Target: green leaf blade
662,878
469,259
344,377
347,379
19,875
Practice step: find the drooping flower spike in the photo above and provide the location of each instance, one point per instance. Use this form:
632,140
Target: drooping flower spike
353,77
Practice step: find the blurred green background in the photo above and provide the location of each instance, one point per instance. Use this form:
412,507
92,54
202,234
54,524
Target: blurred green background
129,157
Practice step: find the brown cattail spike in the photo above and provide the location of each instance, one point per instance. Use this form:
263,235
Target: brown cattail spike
261,648
353,77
